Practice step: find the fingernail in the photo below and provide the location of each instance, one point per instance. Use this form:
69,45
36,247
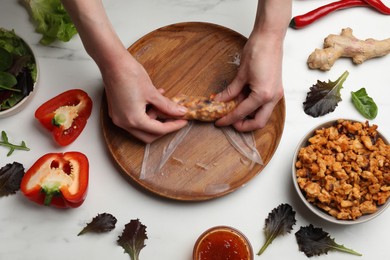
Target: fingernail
182,109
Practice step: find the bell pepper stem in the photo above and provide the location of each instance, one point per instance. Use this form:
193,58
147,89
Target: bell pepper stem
50,192
48,199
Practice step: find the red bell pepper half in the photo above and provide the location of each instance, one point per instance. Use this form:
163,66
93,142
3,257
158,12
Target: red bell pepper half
65,115
57,179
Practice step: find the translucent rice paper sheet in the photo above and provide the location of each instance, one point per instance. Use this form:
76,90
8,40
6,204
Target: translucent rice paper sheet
179,137
201,153
157,153
244,143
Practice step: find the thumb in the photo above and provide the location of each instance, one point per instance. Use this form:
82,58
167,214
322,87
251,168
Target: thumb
231,91
168,107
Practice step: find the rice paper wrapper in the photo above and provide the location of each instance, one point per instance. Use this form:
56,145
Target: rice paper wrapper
202,150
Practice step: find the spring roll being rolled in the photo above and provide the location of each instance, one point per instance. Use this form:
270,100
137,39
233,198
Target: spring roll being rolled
203,108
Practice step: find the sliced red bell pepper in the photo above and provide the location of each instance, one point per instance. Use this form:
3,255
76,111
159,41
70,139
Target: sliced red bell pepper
65,115
57,179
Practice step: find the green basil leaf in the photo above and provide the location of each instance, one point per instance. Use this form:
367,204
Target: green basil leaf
364,103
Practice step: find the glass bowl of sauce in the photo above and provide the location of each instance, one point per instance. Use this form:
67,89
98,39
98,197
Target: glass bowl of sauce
222,243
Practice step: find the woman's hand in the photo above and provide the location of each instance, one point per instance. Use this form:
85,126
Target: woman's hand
134,102
257,85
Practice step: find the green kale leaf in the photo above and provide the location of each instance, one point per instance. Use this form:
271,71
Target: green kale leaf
314,241
280,221
53,22
133,238
324,97
104,222
10,178
364,103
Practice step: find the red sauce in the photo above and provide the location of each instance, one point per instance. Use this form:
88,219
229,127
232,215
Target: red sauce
222,244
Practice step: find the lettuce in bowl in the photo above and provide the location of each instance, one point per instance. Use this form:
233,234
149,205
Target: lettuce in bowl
18,70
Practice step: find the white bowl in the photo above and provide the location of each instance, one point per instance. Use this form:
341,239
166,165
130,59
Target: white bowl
316,210
26,100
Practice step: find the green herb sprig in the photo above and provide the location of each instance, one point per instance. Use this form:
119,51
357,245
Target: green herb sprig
12,147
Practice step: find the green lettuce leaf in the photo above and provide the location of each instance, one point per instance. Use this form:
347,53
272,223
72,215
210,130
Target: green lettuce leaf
18,69
12,43
22,54
53,22
324,97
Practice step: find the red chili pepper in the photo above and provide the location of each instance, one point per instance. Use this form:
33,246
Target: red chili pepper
65,115
379,6
303,20
57,179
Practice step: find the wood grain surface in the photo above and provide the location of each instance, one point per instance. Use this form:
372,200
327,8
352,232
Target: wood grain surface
194,59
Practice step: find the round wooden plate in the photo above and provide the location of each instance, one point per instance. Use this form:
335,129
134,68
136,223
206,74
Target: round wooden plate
195,59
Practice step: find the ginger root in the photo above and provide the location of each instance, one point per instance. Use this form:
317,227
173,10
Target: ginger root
347,45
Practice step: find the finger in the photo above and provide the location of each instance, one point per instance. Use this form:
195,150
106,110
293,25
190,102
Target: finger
165,128
143,136
156,127
231,91
161,90
243,109
167,106
152,113
259,121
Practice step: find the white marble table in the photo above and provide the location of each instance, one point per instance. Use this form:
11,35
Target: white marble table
29,231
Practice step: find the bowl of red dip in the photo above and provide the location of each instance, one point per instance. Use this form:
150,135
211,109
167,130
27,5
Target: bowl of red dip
222,243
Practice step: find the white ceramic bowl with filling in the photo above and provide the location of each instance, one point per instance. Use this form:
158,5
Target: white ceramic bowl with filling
26,100
302,194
